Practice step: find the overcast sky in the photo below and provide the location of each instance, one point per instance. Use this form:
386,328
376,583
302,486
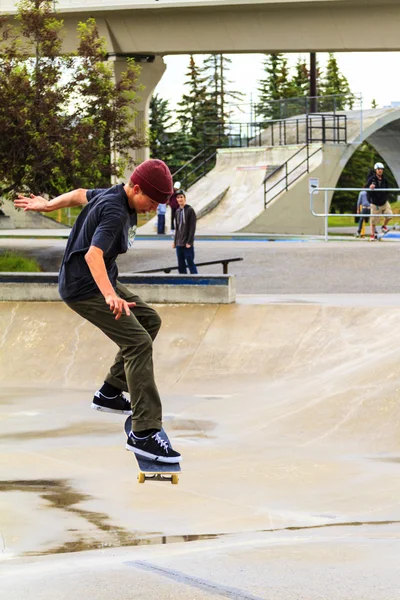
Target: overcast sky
374,74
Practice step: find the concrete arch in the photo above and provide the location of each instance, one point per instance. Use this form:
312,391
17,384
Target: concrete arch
382,130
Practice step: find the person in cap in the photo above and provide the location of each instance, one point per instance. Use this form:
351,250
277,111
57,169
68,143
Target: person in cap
184,235
378,199
88,285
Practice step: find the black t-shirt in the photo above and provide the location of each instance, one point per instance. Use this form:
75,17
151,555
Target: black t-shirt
378,198
104,222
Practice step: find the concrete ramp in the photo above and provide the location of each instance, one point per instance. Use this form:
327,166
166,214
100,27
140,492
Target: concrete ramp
231,195
286,416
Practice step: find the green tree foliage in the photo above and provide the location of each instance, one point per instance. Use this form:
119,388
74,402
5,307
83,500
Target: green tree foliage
220,100
160,125
64,121
301,79
194,108
273,87
355,175
334,83
166,142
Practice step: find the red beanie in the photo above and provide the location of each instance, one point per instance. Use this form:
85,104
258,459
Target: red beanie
154,179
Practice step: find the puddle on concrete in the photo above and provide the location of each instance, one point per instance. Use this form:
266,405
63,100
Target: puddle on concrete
390,459
61,495
173,423
326,525
83,428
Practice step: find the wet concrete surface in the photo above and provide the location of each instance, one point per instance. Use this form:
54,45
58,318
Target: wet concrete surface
287,417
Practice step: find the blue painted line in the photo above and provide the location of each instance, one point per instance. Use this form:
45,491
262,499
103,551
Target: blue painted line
52,278
145,238
177,280
391,236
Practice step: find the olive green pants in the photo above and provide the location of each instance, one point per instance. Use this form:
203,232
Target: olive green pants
133,369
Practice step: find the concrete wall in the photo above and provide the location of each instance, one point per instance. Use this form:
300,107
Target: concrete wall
164,289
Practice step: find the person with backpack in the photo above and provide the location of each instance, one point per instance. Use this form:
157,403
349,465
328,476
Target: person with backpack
378,199
364,210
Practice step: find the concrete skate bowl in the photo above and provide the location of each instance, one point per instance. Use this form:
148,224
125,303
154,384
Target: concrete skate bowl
287,416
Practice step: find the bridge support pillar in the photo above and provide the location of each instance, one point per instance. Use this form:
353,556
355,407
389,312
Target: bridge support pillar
152,69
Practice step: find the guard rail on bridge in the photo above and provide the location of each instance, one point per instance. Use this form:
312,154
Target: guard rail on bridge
309,129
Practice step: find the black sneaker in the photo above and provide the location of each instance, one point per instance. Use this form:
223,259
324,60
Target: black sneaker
153,448
119,404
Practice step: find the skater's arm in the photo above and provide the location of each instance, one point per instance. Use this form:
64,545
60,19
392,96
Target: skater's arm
39,204
95,261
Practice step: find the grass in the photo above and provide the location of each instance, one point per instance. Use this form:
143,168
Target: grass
68,216
341,221
13,262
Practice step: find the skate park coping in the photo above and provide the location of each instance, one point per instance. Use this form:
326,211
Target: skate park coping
158,289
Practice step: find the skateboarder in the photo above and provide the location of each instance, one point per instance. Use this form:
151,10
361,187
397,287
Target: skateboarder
88,285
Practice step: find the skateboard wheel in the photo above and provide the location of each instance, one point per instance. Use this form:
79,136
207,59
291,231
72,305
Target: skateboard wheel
174,479
141,478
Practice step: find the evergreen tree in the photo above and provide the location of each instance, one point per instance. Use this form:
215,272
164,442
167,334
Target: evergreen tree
275,86
193,108
374,103
301,78
160,136
334,83
219,94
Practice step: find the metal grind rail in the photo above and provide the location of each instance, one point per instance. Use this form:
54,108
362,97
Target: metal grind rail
325,215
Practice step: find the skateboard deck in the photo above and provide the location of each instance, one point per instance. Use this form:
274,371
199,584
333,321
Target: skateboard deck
151,469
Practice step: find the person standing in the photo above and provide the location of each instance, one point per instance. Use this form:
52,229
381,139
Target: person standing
184,235
173,204
364,210
378,199
161,210
88,284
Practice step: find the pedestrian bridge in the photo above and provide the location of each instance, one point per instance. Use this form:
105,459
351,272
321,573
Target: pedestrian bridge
150,26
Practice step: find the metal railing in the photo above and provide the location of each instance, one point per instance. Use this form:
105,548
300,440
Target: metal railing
286,180
277,132
224,261
191,172
325,215
285,108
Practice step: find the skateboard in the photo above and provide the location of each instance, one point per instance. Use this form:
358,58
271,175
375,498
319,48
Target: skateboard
151,469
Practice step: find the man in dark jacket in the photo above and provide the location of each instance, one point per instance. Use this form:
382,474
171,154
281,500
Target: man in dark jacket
378,199
184,234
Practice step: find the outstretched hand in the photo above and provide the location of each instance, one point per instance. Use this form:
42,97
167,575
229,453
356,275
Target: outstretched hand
35,203
118,305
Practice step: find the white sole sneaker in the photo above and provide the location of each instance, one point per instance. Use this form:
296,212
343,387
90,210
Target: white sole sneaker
153,457
111,410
